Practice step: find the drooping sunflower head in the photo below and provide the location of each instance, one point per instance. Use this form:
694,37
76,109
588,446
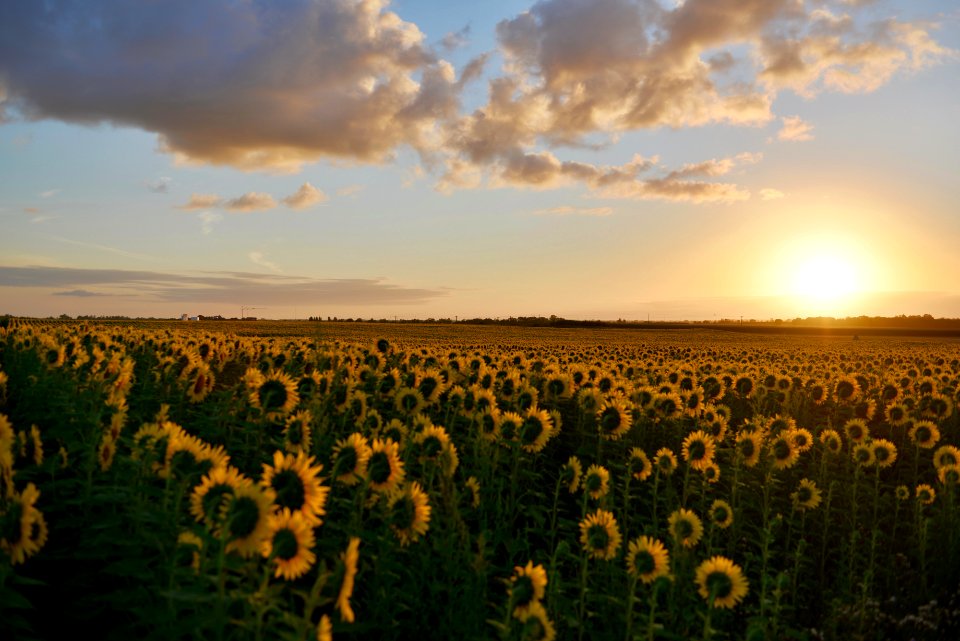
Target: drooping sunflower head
721,582
600,535
807,496
685,528
749,446
245,518
721,514
527,586
409,513
213,492
535,430
596,481
289,544
647,559
639,464
570,474
350,458
536,624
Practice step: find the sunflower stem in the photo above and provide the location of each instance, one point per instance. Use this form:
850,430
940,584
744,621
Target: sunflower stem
583,596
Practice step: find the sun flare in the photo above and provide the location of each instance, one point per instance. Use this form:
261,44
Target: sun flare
825,278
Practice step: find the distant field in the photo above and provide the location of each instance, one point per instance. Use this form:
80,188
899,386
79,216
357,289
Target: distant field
282,479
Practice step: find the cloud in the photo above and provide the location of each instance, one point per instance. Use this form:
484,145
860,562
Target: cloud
259,258
201,201
456,39
795,129
771,194
161,185
306,196
232,288
31,210
350,190
250,201
566,210
50,193
79,293
335,77
207,221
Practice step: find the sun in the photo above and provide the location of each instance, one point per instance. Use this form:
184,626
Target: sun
825,279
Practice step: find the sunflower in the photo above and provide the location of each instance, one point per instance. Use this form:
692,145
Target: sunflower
350,458
711,473
570,474
614,419
802,439
349,557
325,629
199,381
846,389
189,547
946,455
558,387
106,452
698,449
596,481
749,445
498,426
408,401
296,486
385,469
898,414
528,585
721,514
863,454
297,433
856,430
431,384
949,475
925,494
473,486
924,434
647,559
216,488
600,535
536,624
785,455
884,452
665,461
668,405
685,527
807,495
902,492
409,513
721,582
22,528
245,518
832,441
7,438
639,465
276,395
535,430
289,544
744,386
435,445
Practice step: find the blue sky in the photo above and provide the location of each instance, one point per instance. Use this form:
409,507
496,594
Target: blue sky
601,159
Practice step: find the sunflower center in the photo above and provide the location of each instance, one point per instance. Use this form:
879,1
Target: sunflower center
10,529
404,513
289,488
295,433
525,400
697,449
881,453
719,584
598,537
610,419
593,483
923,434
781,450
530,431
720,514
242,517
285,544
215,497
522,590
428,386
409,402
747,447
644,562
684,529
844,390
432,446
637,465
387,383
379,467
804,494
508,429
272,395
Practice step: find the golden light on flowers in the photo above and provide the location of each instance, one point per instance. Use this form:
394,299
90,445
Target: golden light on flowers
665,461
721,514
749,445
209,497
274,394
613,419
884,452
535,430
924,434
685,527
385,469
784,454
698,448
409,513
245,519
350,458
596,481
350,557
22,528
288,544
949,475
536,624
721,583
831,441
639,465
600,535
295,482
807,495
647,559
527,586
946,455
926,494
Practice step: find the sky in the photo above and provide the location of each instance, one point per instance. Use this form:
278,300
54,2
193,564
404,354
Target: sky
597,159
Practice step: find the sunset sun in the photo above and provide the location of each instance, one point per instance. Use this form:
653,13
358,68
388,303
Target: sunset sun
825,279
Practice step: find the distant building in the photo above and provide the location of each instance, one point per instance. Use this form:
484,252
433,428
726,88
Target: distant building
194,318
184,317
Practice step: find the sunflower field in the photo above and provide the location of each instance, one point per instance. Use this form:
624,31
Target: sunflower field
383,481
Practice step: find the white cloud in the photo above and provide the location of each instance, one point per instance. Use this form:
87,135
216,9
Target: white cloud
305,197
768,193
259,258
795,129
250,201
208,220
201,201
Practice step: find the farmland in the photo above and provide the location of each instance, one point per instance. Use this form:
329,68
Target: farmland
283,480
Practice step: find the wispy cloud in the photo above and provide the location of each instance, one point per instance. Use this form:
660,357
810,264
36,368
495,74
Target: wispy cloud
567,210
795,129
201,201
250,201
103,248
305,197
349,190
219,287
769,193
208,220
161,185
79,293
50,193
259,258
